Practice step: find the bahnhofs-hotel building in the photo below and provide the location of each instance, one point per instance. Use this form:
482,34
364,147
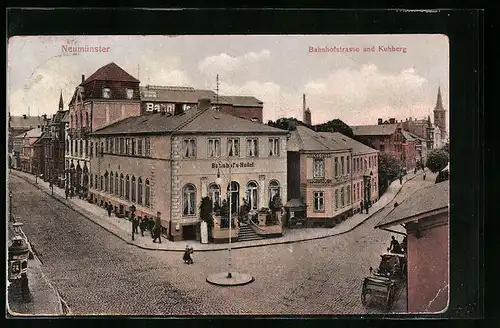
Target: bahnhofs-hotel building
164,165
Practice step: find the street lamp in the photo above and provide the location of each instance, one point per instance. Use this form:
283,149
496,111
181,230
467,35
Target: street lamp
230,278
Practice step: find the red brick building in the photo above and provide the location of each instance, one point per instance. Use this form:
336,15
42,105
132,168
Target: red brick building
425,217
107,96
175,100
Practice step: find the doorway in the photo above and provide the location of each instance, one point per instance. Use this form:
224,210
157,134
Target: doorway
189,232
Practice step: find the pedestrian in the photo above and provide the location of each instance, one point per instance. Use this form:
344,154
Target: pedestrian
157,230
361,206
367,205
135,223
110,209
396,204
394,247
133,226
401,179
415,171
66,192
425,175
151,225
403,245
142,225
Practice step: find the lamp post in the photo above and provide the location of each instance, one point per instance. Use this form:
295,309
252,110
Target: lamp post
228,278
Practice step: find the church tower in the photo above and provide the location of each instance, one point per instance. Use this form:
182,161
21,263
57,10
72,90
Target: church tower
61,103
440,115
306,111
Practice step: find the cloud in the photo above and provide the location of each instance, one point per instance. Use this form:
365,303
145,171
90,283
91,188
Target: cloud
360,96
224,63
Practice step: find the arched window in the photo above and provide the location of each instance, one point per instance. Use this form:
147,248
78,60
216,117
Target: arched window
127,187
139,191
81,119
253,195
134,190
189,200
274,189
214,193
121,185
117,182
111,176
147,194
106,181
67,146
87,119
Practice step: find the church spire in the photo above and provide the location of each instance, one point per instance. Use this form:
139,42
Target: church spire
61,103
439,102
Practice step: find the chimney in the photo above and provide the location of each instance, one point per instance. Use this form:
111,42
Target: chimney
304,102
44,117
24,116
392,120
379,121
83,78
204,103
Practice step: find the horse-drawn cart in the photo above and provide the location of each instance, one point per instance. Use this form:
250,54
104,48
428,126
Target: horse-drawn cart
386,281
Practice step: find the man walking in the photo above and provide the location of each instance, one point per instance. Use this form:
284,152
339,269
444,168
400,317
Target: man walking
367,205
361,206
401,179
66,192
110,207
157,230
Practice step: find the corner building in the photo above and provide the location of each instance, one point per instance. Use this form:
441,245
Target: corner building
164,165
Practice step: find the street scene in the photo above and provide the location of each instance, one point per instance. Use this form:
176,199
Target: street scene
224,183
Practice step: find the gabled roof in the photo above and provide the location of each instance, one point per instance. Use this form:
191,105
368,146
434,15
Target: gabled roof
425,200
110,72
303,138
30,122
59,115
415,136
65,118
34,133
407,135
374,130
190,122
357,147
244,101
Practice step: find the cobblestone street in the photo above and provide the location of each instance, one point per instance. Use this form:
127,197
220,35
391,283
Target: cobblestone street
97,273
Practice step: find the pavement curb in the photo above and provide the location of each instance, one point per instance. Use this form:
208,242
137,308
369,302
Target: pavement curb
82,211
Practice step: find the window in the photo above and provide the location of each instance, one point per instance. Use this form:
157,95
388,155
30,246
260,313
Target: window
342,165
117,146
101,185
147,147
342,196
147,194
213,147
127,146
319,201
130,93
86,148
91,182
127,187
132,149
336,166
252,195
252,148
67,146
80,149
274,189
117,183
348,161
369,161
106,181
111,180
336,199
133,194
382,147
274,146
106,145
87,123
106,93
122,185
122,146
189,200
189,148
96,183
214,193
319,168
139,191
233,147
91,150
139,147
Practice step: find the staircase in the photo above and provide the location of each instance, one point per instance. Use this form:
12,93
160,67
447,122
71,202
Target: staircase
246,233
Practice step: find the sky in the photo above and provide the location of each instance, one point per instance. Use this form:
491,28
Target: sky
356,87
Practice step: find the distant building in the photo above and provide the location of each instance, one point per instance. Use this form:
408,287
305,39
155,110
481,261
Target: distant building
164,164
175,100
28,157
306,111
440,116
107,96
325,171
19,125
425,217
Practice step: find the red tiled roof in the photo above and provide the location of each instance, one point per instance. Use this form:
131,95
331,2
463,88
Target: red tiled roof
110,72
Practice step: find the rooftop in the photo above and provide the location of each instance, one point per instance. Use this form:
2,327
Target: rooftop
110,72
190,122
357,147
303,138
25,122
425,200
374,130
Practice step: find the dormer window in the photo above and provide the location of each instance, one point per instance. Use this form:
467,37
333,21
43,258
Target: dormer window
106,92
130,93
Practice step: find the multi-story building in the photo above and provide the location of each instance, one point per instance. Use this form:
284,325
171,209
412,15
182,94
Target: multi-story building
386,137
108,95
410,153
162,165
176,100
319,177
29,160
364,169
18,126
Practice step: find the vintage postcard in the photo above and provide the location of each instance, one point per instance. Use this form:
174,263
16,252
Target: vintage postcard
228,175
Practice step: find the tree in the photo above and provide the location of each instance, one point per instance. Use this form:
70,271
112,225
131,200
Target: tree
446,147
206,210
286,123
437,160
388,170
335,125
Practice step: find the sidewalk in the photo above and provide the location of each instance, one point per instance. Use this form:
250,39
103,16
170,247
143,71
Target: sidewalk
43,297
122,227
